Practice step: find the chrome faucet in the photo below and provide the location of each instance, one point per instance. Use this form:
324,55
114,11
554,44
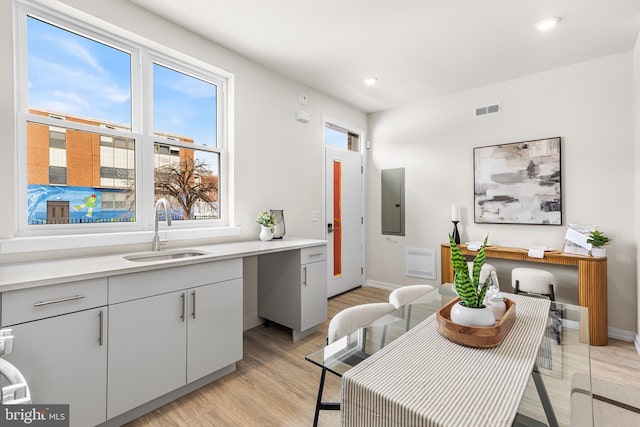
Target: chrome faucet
156,239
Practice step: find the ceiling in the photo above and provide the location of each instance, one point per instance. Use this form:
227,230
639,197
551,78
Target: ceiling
416,48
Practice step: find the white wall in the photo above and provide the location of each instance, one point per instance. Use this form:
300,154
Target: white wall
589,105
278,161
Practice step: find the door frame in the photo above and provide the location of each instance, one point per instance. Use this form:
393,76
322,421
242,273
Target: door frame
363,143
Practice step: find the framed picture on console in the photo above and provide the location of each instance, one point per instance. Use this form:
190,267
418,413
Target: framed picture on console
518,183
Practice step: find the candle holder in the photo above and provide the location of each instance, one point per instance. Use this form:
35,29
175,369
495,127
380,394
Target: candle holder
456,234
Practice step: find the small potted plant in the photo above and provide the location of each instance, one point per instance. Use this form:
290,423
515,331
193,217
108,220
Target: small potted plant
470,311
598,239
267,221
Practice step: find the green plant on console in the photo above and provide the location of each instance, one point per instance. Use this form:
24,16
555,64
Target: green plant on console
468,288
598,239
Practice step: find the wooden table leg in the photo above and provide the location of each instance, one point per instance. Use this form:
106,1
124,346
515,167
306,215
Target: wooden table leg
592,293
446,269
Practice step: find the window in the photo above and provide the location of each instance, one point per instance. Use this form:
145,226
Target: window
186,172
189,180
117,162
81,167
87,155
341,138
57,155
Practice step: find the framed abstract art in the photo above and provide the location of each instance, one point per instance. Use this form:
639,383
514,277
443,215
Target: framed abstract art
518,183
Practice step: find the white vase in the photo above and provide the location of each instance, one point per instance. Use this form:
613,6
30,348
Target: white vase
598,252
266,233
468,316
497,305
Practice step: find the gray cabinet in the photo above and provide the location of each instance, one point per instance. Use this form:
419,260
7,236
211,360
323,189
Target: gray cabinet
292,289
61,345
146,350
214,328
121,344
159,342
313,294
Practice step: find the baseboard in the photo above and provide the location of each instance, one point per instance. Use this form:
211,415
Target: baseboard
637,344
615,333
382,285
621,334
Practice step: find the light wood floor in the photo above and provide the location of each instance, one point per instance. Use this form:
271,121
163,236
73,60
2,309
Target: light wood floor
275,386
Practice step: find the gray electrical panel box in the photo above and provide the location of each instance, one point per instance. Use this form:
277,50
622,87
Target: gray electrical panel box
393,201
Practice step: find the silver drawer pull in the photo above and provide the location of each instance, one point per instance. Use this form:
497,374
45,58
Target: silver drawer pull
56,301
193,312
183,300
316,254
101,328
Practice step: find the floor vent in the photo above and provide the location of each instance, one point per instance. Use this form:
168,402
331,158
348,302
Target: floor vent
487,109
420,263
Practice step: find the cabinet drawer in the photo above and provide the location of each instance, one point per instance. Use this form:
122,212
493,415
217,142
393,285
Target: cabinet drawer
313,254
45,301
155,282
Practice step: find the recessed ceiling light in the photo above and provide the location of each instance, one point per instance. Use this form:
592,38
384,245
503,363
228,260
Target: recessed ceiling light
547,23
370,81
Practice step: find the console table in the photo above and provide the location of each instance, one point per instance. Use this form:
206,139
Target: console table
592,280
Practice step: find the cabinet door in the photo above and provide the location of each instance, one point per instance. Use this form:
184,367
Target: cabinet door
147,355
64,361
313,294
214,328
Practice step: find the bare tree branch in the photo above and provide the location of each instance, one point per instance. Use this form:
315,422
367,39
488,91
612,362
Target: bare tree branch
187,183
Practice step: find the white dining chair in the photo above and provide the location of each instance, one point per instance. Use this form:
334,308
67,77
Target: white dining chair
540,283
342,324
533,281
406,294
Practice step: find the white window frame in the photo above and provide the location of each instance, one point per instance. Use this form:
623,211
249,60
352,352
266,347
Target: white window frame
143,54
150,58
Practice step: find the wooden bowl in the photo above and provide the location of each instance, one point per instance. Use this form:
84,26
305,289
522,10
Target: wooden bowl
475,336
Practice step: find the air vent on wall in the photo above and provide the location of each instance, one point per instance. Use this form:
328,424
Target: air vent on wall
420,263
487,109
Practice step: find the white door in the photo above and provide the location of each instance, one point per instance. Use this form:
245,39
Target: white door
344,219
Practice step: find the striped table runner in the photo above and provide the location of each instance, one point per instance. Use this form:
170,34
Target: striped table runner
423,379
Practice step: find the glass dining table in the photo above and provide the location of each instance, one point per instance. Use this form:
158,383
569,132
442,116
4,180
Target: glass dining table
563,355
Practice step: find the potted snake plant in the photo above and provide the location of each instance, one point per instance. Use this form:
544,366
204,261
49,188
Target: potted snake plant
470,310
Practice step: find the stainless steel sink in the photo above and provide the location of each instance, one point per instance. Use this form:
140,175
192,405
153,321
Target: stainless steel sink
164,255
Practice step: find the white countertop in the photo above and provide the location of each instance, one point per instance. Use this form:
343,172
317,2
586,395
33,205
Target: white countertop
28,274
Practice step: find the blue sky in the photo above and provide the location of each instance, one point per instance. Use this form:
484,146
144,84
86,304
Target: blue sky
335,138
72,74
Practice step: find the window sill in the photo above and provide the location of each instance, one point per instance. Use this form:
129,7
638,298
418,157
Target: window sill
20,245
